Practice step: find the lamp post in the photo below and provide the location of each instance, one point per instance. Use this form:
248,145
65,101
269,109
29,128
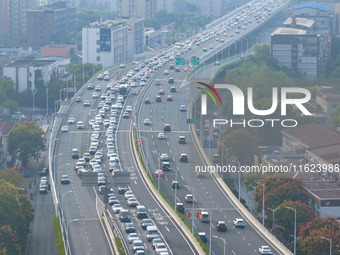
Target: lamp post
224,242
330,243
294,209
274,210
263,186
74,77
54,170
193,208
175,190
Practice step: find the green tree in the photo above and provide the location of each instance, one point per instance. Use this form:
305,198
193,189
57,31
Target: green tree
7,89
12,176
285,217
336,118
26,140
11,105
311,243
243,145
16,212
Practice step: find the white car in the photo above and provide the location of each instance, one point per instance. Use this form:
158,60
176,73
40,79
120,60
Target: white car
132,237
164,157
80,125
71,121
64,129
161,136
182,108
238,223
129,108
264,249
147,122
94,95
116,209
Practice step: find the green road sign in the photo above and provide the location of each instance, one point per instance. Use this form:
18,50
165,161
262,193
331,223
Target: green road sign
195,61
180,61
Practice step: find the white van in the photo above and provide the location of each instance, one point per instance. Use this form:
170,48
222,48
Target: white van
151,233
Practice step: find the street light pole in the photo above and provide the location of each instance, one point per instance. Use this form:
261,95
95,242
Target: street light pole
294,209
34,92
224,241
330,243
274,210
263,186
175,190
210,233
54,170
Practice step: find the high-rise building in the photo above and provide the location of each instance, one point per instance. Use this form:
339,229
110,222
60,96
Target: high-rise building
135,8
13,18
105,43
54,22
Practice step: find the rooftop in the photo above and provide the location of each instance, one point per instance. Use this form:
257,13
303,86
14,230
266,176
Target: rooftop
330,154
314,5
30,62
289,31
308,23
107,24
6,127
313,135
323,189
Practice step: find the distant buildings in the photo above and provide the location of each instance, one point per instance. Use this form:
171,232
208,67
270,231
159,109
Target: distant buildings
133,8
5,129
54,22
13,18
304,42
105,43
25,73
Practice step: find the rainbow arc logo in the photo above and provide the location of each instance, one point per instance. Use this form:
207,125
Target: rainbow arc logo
204,96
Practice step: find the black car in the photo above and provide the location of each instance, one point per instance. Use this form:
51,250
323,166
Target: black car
147,101
172,89
180,207
145,223
221,226
43,172
183,157
171,80
167,127
165,166
65,179
158,99
75,154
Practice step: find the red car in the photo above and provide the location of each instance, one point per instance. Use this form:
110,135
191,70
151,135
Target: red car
169,98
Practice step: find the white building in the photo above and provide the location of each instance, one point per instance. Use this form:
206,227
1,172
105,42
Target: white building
135,36
105,43
26,72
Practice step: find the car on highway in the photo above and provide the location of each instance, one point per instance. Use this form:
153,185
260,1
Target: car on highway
64,129
161,136
65,179
158,99
137,245
238,223
156,241
204,216
165,165
166,72
113,200
43,171
158,82
132,237
147,122
171,67
71,121
100,77
128,194
147,101
98,88
160,248
43,190
167,127
87,103
122,189
124,215
95,95
169,98
90,86
189,198
265,250
221,226
151,233
141,212
181,139
75,153
145,223
183,157
121,66
173,89
161,92
78,100
180,207
217,63
174,185
171,80
130,228
126,115
164,157
203,236
182,108
80,125
177,69
132,202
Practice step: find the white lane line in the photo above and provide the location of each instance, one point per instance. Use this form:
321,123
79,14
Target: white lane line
249,244
233,252
243,238
182,177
